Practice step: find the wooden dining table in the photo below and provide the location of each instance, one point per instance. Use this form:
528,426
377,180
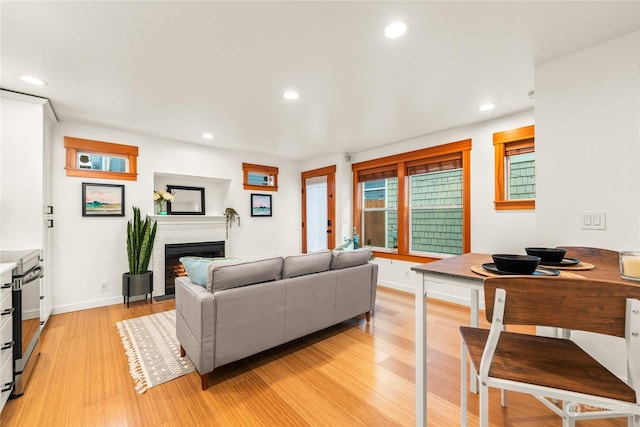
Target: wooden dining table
457,271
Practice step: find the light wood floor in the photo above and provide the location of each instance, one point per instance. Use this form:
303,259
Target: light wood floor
354,374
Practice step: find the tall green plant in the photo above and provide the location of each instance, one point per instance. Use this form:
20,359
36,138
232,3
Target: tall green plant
140,237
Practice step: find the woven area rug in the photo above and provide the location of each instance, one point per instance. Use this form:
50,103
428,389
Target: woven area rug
152,348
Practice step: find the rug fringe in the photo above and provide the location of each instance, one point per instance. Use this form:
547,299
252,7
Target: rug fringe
135,366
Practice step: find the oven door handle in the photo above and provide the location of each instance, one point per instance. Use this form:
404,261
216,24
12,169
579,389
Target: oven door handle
34,274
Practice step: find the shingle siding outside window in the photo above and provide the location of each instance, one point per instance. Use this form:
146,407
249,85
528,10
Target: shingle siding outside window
522,178
436,216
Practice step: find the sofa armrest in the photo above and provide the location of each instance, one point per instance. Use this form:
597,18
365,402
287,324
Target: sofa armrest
195,329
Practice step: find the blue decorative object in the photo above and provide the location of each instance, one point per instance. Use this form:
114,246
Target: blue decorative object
356,239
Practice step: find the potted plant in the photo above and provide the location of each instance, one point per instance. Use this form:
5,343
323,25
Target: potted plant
140,237
231,216
161,198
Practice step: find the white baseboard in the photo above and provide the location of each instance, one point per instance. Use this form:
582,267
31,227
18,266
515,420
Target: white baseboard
397,286
436,294
85,305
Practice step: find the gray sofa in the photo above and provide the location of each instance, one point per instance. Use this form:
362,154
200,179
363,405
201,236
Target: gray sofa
250,306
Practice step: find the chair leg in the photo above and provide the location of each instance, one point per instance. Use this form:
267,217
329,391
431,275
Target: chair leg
484,405
503,397
463,384
567,419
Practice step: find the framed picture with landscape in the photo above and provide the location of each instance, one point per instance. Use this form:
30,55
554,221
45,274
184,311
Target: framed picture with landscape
261,205
102,199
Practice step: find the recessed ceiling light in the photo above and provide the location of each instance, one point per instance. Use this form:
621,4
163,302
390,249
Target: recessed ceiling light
395,29
207,135
486,107
33,80
291,95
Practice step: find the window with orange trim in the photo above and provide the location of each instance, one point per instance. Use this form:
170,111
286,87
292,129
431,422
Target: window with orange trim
515,180
97,159
259,177
415,205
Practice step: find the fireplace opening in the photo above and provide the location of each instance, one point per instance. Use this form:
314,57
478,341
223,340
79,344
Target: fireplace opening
173,252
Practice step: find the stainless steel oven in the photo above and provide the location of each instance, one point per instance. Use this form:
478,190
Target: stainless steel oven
26,281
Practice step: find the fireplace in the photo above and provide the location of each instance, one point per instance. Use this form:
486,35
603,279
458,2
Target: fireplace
173,252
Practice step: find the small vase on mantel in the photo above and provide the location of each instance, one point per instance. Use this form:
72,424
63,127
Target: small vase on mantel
161,198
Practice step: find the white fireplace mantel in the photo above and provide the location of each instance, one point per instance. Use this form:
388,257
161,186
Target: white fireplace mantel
183,229
187,219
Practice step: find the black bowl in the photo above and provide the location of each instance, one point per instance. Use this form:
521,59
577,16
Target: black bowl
547,254
519,264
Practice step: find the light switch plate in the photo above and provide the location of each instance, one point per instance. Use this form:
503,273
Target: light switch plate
593,221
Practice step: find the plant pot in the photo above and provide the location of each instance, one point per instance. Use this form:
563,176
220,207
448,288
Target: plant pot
137,284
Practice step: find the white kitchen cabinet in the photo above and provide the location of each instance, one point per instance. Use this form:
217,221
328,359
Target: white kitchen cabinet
6,334
26,211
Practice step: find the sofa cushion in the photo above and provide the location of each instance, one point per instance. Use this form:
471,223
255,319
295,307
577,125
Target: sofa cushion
242,273
299,265
197,267
346,259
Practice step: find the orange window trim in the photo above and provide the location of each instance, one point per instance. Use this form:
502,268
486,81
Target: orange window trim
400,162
73,145
503,142
268,170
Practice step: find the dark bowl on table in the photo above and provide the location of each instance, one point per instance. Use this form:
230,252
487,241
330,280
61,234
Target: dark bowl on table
519,264
547,254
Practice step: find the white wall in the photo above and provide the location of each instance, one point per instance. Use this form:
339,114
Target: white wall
588,145
491,231
588,157
92,250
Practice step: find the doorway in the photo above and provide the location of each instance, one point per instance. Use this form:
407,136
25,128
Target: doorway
318,209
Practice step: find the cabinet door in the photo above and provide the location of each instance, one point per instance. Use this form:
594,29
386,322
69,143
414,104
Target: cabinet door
48,229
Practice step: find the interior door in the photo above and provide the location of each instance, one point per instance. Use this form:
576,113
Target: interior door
318,209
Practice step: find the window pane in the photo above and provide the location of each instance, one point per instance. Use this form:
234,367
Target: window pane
257,178
436,212
380,215
521,175
102,162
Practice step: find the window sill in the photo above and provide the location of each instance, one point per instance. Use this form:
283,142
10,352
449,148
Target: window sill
260,187
101,174
399,257
504,205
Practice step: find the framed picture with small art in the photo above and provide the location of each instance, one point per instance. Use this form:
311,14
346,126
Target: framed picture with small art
261,205
102,200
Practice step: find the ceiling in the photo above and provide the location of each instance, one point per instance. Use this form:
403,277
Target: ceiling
177,69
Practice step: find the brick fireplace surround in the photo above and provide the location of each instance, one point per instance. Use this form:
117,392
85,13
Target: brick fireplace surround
183,229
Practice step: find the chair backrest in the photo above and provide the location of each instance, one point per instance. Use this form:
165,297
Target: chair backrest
592,255
569,303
